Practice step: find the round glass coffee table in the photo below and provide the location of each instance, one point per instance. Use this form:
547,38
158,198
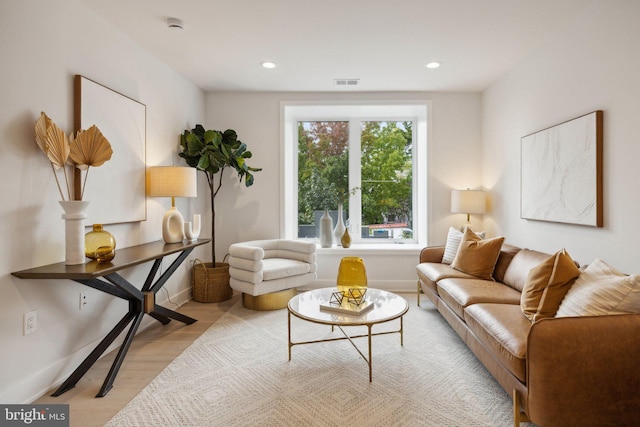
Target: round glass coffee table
387,306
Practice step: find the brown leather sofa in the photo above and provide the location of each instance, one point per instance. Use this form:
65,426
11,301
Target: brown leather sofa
569,371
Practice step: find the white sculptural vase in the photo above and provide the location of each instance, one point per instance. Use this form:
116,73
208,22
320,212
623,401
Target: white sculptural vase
340,227
75,212
326,230
192,229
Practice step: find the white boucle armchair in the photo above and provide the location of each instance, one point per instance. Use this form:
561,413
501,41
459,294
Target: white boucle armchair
267,272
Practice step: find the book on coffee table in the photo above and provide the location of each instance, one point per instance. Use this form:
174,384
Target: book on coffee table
348,308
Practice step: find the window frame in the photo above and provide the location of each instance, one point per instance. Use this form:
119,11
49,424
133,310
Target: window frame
354,112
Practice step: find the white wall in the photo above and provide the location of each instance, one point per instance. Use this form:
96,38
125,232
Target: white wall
43,44
592,64
254,213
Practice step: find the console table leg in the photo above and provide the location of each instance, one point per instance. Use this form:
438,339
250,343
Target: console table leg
172,314
162,319
93,356
115,367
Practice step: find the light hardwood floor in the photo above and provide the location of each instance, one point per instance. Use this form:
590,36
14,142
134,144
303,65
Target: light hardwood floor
151,351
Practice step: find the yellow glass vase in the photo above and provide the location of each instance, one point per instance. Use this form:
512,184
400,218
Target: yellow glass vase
99,244
351,274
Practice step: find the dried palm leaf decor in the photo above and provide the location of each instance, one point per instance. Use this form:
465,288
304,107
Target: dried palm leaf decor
89,148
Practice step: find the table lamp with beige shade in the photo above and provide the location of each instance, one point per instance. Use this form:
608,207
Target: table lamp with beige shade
172,181
468,202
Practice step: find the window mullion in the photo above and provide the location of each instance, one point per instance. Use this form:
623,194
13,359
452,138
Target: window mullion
355,203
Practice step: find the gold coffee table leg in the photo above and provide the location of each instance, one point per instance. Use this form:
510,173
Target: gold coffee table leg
370,360
289,329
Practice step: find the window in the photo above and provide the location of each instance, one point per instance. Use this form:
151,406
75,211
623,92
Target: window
370,158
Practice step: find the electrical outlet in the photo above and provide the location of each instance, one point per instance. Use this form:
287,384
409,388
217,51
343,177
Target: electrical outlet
84,300
29,322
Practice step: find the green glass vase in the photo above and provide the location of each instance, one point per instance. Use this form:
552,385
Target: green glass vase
99,244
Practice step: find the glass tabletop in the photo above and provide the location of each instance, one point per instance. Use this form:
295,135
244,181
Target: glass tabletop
387,306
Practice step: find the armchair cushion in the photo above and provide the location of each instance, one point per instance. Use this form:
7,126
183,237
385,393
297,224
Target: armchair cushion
272,268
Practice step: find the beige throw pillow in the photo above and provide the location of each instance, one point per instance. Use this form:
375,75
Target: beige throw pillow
546,286
602,290
476,256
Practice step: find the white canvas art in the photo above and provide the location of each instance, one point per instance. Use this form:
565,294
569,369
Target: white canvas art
115,190
562,173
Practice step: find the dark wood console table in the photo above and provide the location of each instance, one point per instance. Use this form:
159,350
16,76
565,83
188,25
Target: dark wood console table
105,278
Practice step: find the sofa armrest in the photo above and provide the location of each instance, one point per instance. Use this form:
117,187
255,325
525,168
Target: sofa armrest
584,371
432,254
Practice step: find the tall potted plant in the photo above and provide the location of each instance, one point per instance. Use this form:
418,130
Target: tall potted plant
211,152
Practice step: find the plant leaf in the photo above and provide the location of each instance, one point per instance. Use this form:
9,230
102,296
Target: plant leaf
42,124
56,146
90,148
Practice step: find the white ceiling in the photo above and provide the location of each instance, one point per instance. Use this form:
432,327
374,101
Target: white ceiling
384,44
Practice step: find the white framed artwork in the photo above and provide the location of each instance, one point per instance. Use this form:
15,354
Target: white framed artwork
115,190
561,172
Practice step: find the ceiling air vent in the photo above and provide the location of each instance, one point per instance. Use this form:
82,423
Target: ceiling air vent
346,82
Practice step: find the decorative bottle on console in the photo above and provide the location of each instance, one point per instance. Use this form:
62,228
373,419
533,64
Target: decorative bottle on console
99,244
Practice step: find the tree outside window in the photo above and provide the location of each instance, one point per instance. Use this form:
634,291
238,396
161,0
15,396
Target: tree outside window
384,188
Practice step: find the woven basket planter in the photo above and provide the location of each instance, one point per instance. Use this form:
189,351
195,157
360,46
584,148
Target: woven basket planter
211,284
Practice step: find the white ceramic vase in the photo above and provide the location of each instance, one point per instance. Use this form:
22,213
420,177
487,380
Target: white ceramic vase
75,212
326,230
192,229
340,227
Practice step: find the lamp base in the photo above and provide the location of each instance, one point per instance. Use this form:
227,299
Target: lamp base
172,226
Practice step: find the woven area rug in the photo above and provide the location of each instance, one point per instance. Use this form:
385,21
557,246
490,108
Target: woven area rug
238,374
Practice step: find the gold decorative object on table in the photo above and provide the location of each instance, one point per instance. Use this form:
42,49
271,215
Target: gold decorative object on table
99,244
356,295
336,298
351,302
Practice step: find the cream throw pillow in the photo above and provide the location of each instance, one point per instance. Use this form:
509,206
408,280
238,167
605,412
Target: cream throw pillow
454,237
546,286
476,256
602,290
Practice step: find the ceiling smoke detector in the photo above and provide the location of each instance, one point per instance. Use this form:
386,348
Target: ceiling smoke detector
346,82
175,24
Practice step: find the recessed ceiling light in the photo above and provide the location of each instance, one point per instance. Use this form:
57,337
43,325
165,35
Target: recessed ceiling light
175,24
433,64
269,64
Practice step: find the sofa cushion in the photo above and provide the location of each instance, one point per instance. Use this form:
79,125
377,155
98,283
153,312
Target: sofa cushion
601,290
546,286
460,293
454,237
435,271
476,256
519,267
503,330
504,259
